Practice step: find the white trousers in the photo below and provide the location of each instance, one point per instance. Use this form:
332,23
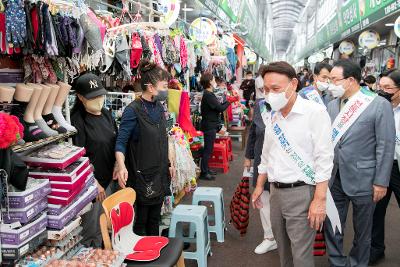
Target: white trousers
265,215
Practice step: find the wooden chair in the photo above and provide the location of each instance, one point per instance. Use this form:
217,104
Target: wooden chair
173,252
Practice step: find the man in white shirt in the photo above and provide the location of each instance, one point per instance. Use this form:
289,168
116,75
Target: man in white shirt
297,160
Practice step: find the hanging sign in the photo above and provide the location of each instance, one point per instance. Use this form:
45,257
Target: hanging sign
203,30
170,9
346,47
369,39
397,27
228,40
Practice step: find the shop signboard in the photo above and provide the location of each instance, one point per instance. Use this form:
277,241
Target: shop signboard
212,5
203,30
397,27
170,9
346,47
231,8
369,39
350,17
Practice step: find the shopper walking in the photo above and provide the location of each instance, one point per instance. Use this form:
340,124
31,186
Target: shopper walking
389,84
142,150
296,130
211,109
363,136
318,91
97,132
253,152
248,88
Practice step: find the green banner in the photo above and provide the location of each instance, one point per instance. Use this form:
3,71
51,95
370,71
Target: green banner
231,8
355,16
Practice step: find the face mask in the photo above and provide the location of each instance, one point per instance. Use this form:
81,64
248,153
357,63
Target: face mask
322,86
162,96
278,101
95,105
385,95
336,90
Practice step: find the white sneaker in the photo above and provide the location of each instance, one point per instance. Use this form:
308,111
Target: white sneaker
266,246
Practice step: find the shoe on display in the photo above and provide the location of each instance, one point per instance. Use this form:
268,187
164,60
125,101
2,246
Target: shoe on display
375,259
266,246
207,177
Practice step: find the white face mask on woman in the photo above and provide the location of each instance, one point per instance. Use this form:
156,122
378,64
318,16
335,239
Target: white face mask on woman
278,100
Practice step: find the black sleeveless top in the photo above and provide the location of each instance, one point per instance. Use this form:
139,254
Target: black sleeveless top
150,152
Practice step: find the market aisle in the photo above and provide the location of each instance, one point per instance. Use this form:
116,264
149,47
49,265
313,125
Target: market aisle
238,252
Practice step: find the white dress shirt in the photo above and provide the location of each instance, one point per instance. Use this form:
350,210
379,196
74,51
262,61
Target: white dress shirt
396,112
308,128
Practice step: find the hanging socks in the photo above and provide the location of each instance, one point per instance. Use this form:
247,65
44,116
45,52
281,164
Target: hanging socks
57,113
52,123
32,132
45,128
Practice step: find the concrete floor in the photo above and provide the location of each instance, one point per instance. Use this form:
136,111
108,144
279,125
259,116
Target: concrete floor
237,251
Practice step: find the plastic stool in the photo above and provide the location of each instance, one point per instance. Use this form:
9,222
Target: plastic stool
196,215
214,195
228,142
219,158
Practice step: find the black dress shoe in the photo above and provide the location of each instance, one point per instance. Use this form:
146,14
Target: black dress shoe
207,177
375,259
213,173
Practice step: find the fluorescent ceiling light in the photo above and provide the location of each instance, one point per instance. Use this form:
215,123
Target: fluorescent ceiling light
187,9
389,24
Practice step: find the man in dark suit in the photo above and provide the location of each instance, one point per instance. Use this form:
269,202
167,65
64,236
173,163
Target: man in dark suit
364,139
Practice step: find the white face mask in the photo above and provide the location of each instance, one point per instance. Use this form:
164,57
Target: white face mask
336,90
277,101
322,86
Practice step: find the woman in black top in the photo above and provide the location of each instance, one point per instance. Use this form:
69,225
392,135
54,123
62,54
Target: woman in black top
142,150
210,123
97,132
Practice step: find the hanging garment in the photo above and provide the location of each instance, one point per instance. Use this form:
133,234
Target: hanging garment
122,55
184,53
184,119
137,50
147,54
174,101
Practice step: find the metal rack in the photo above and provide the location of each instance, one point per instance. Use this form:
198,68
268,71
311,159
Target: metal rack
28,147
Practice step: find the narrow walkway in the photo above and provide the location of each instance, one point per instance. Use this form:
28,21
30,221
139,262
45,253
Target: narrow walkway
238,251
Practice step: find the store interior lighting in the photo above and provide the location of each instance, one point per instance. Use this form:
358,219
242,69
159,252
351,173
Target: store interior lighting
187,9
389,24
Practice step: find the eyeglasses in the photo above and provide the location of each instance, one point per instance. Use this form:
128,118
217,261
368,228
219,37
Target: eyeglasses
337,80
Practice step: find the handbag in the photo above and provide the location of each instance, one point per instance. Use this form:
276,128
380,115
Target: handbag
148,186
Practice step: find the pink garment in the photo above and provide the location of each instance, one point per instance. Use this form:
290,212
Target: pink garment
184,119
184,54
102,27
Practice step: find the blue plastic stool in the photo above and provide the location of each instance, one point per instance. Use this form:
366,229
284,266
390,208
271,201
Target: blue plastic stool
197,217
214,195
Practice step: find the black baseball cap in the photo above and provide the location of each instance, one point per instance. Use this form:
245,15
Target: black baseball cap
89,86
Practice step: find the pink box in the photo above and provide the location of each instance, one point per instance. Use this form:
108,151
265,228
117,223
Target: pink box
65,199
65,189
69,174
33,160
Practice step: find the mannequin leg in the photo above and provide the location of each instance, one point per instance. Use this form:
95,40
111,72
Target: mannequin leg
6,96
32,131
57,108
37,115
51,99
46,113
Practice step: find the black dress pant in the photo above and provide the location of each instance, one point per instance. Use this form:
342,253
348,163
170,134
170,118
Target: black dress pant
209,138
378,228
147,219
